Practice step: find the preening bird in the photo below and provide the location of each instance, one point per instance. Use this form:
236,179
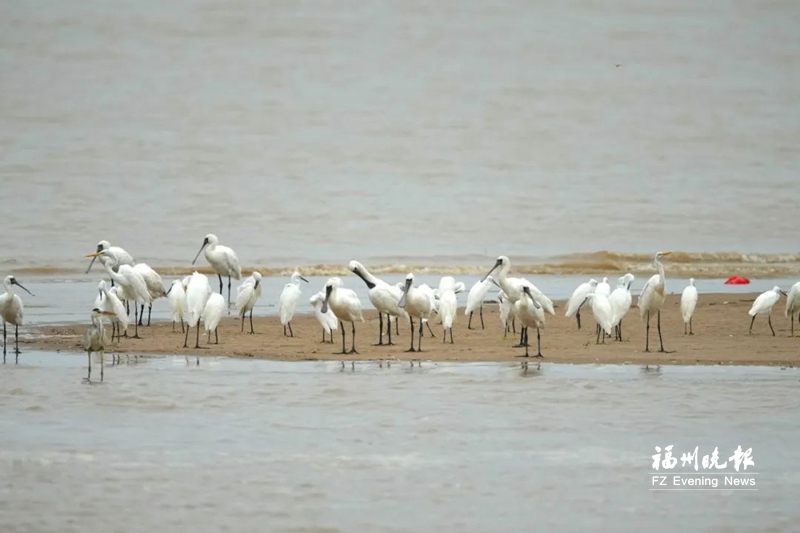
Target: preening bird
154,286
109,302
507,317
247,297
688,304
531,314
417,303
763,306
327,320
288,301
603,288
198,291
131,282
222,259
345,305
448,307
578,299
651,300
177,302
477,293
620,300
12,311
793,305
603,315
94,340
115,255
212,314
384,299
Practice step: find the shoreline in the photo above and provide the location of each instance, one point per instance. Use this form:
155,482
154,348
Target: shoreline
720,324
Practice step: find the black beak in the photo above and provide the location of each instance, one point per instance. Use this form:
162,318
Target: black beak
402,303
257,282
205,242
15,282
496,264
304,279
327,295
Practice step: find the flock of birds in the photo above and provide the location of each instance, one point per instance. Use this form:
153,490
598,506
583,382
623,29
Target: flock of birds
192,300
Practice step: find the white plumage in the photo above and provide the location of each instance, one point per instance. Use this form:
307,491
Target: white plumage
198,291
345,306
222,259
383,296
531,315
177,302
448,307
327,320
477,293
763,306
603,314
288,301
513,287
418,302
652,299
506,312
603,288
94,340
154,286
578,299
620,300
133,284
248,294
115,256
792,305
12,310
212,314
688,304
109,302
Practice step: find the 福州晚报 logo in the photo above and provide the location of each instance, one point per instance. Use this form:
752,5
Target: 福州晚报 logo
710,473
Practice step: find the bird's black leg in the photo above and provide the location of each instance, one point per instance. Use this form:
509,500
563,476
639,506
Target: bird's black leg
526,350
469,324
4,342
750,331
411,320
389,328
397,327
380,329
135,321
419,337
16,342
690,327
578,317
514,325
769,321
186,338
291,333
149,312
141,316
597,330
284,331
173,330
451,335
660,340
220,282
647,335
538,343
216,335
353,340
428,323
251,322
323,335
685,328
341,327
481,313
182,324
197,342
229,291
791,321
242,317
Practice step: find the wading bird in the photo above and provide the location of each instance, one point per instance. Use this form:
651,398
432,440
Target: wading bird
793,305
531,314
154,286
177,302
384,299
578,298
133,284
246,299
507,317
12,311
288,302
109,302
198,291
327,320
212,314
688,304
94,340
448,307
477,293
651,300
417,303
116,256
222,259
345,305
603,315
620,301
603,288
763,306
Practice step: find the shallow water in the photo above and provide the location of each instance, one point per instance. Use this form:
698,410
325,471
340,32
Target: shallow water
444,133
254,445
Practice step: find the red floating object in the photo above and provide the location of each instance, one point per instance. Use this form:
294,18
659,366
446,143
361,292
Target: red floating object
737,280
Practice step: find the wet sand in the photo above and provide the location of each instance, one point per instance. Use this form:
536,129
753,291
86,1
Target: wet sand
720,325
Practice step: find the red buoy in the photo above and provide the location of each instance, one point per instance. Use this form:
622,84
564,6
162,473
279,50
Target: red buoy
737,280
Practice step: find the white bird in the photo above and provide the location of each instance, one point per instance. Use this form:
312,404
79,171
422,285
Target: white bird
763,306
212,314
94,340
688,304
578,298
793,305
603,288
477,293
177,302
327,320
109,302
222,259
248,295
417,303
345,306
603,315
507,317
531,314
448,308
198,292
620,300
429,293
116,256
133,284
12,311
154,286
384,298
651,299
288,301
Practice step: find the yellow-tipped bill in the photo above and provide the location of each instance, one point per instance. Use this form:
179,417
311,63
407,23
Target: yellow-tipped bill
95,254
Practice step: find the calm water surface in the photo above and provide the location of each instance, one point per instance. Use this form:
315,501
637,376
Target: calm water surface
253,445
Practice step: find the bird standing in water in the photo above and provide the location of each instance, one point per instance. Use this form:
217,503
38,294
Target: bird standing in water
11,311
94,340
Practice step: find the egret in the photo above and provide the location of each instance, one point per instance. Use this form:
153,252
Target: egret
212,314
198,291
506,313
109,302
132,282
249,293
177,302
603,288
578,298
327,320
384,299
763,306
426,290
154,286
288,302
531,314
688,304
620,300
448,307
475,298
222,259
345,306
603,315
116,256
652,299
417,303
11,310
793,305
94,339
